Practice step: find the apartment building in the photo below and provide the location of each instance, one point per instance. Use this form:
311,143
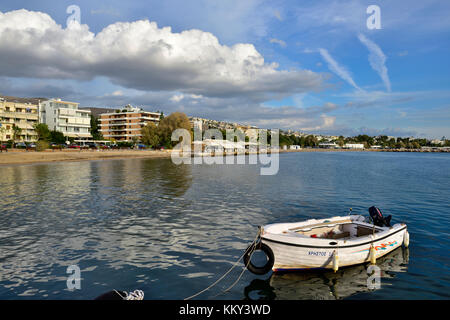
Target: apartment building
127,123
21,113
66,117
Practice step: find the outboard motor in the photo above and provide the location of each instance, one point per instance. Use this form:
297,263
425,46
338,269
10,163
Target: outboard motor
378,218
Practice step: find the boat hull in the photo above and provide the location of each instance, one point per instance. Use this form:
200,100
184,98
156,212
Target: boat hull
295,256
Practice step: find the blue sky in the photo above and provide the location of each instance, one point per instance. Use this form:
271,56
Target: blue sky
306,65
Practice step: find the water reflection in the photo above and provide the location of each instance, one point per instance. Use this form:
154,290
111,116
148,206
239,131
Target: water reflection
326,285
85,213
172,230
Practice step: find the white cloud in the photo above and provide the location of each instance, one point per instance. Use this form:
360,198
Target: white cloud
349,15
177,97
142,56
377,60
338,69
278,41
386,99
117,93
277,15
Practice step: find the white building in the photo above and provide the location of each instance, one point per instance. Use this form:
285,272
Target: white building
354,146
65,117
438,142
328,145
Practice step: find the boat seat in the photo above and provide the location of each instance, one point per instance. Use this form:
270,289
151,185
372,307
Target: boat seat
340,235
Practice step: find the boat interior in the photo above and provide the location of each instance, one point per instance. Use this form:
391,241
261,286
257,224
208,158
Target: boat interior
336,231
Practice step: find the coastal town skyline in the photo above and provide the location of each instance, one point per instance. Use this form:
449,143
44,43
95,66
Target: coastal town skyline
314,68
75,121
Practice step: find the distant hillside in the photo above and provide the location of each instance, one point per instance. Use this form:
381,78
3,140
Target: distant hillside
34,101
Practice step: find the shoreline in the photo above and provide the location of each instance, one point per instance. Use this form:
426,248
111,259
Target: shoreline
19,157
33,157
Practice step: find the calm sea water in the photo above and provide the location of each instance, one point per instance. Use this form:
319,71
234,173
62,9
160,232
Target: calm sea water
173,230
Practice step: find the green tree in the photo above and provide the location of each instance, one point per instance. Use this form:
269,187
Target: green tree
16,131
150,135
57,137
42,131
42,145
285,140
2,131
415,145
400,144
311,141
176,120
96,134
134,140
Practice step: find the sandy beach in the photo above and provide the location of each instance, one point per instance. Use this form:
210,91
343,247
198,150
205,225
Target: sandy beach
26,157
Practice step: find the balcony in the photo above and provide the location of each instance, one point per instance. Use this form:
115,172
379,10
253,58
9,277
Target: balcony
112,124
20,115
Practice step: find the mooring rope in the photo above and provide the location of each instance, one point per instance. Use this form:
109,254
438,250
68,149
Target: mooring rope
253,244
135,295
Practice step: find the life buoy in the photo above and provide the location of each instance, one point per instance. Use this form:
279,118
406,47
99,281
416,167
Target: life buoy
259,270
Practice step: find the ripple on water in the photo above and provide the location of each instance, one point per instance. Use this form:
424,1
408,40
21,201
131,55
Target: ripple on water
172,230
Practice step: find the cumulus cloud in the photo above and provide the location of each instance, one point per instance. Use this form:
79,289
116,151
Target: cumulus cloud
377,60
142,56
338,69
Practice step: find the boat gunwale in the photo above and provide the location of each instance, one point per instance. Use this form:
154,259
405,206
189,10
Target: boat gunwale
334,246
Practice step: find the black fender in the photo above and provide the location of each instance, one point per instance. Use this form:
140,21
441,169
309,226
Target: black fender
270,261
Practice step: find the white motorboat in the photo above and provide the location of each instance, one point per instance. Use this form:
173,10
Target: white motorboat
328,285
328,243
